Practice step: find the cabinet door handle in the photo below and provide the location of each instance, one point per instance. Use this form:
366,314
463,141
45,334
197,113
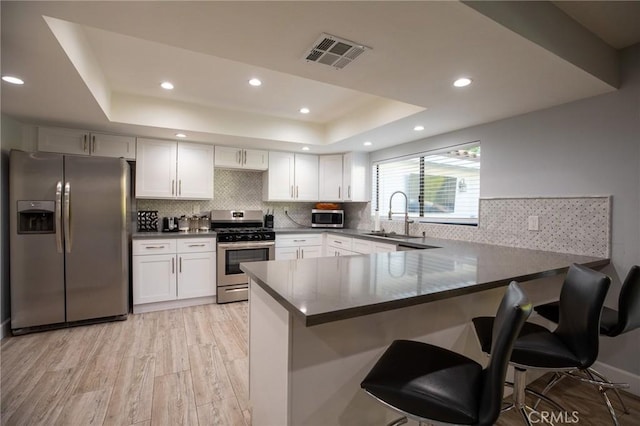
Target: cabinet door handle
196,245
291,191
337,242
238,156
339,192
299,241
153,247
297,253
180,266
349,191
173,186
173,265
93,144
180,187
84,143
297,196
302,251
244,157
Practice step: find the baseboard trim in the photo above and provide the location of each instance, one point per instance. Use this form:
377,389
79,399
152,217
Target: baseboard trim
5,328
173,304
617,375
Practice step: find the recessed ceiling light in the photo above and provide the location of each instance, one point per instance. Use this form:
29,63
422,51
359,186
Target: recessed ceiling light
304,110
166,85
13,80
462,82
181,135
305,148
367,143
255,82
418,128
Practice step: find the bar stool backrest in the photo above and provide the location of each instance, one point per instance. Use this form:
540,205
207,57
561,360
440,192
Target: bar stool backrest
513,311
581,300
628,303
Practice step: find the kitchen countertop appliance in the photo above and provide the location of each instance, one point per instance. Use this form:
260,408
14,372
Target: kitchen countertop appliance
241,238
69,236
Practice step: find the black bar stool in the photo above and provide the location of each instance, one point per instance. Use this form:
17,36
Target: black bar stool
428,383
572,346
612,323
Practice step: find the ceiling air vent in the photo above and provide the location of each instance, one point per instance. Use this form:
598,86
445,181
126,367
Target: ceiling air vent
334,51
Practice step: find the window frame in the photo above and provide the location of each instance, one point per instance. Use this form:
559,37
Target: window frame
422,216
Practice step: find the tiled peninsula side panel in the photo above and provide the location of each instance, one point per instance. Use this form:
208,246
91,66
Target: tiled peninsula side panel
233,189
578,225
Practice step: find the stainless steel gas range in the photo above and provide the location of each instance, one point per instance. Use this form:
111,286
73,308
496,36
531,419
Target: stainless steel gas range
241,238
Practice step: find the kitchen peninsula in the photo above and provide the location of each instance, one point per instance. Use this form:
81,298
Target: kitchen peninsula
317,326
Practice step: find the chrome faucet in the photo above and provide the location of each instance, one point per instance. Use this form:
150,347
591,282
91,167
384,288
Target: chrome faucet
406,211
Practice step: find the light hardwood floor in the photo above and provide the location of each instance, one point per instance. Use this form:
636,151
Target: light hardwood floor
184,366
178,367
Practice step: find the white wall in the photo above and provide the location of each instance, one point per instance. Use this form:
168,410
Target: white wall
587,147
11,138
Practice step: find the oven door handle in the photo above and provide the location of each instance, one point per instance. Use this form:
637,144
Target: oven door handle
248,244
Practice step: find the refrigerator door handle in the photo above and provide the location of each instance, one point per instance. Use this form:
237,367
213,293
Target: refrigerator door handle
67,216
59,216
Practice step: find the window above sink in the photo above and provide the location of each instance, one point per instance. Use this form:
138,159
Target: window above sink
442,186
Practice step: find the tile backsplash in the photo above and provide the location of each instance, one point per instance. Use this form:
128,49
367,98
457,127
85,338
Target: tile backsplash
234,189
579,225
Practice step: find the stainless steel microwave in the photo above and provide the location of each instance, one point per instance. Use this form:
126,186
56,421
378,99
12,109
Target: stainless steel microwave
327,218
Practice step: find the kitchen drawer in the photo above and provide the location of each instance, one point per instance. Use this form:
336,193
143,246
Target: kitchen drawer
299,240
196,245
155,246
338,241
362,246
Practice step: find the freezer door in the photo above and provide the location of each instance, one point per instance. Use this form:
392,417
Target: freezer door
96,208
37,260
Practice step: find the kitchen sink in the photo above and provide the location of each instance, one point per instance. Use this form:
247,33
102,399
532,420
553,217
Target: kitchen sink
392,235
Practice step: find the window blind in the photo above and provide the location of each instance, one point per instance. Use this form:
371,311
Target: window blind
441,186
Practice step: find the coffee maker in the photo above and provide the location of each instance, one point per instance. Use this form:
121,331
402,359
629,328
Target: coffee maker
169,224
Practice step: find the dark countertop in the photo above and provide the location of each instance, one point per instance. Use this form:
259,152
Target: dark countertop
327,289
158,234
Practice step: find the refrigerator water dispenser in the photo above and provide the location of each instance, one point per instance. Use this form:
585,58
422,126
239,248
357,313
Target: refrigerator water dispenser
36,217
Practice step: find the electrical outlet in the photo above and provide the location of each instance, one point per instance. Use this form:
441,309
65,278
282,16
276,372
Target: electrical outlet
533,223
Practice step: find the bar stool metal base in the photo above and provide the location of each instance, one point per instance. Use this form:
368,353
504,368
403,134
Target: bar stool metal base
596,379
520,390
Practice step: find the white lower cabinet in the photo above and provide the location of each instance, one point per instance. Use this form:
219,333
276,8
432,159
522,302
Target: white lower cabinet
338,245
298,246
368,246
171,273
154,278
196,275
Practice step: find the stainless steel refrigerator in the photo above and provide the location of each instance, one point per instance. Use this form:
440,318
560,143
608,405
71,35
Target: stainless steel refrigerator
69,243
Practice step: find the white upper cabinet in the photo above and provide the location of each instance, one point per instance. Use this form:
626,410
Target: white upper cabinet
291,177
156,167
83,142
330,176
255,159
195,171
174,170
236,158
64,141
113,146
344,177
356,177
306,177
278,180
